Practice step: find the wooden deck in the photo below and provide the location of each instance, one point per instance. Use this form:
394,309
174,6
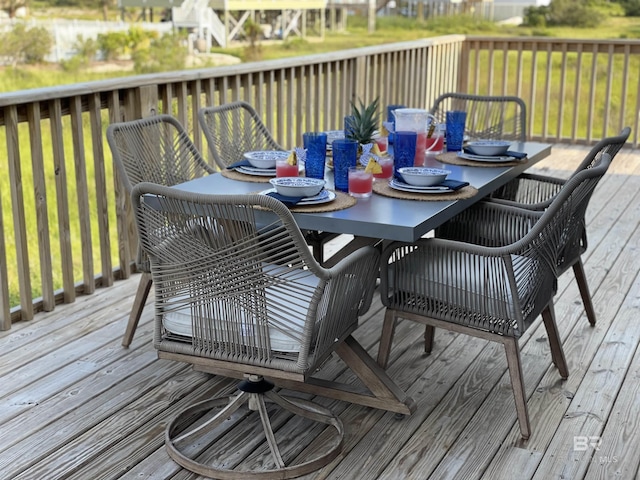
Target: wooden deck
76,405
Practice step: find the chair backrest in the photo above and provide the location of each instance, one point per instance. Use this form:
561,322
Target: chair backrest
155,149
608,145
233,129
562,225
532,243
488,117
234,280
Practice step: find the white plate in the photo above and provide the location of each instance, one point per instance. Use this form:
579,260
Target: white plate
405,187
483,158
259,172
325,196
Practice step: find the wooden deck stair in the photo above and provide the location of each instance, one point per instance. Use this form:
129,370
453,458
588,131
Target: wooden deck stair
76,405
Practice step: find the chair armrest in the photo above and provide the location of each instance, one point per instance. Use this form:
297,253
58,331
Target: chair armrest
489,224
357,270
532,191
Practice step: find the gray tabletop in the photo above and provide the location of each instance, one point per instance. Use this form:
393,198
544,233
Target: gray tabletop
385,217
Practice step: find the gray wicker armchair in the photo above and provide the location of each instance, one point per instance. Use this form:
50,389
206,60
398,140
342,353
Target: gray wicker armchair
238,293
235,128
493,282
232,129
155,149
488,117
536,192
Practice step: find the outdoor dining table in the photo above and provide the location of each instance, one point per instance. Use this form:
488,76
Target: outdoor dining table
379,217
390,218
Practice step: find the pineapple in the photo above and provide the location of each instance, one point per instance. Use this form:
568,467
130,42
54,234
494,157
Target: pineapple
365,122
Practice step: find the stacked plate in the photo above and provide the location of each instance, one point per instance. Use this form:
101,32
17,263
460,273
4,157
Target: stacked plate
486,158
325,196
405,187
492,151
259,172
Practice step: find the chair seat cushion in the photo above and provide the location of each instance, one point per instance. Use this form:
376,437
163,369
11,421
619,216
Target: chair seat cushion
293,315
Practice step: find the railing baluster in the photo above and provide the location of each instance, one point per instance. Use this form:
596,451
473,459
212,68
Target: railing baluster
41,206
17,208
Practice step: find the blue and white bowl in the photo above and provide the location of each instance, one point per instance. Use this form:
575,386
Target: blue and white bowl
298,186
489,148
265,158
423,176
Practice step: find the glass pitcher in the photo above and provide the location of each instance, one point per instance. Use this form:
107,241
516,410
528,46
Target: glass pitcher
425,125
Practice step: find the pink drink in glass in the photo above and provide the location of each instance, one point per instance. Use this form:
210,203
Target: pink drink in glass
284,169
435,144
382,143
421,146
360,183
387,168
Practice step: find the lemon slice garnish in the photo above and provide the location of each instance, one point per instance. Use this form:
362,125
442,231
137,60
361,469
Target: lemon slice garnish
292,159
373,167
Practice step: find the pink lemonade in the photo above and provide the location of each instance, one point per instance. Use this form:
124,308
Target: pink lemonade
435,144
421,146
382,143
284,169
360,183
387,168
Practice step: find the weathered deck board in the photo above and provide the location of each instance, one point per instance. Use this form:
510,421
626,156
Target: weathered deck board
77,405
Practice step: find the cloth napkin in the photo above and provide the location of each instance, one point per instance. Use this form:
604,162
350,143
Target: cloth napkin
453,184
510,153
242,163
288,201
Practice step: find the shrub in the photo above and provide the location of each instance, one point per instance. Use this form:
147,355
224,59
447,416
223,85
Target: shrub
631,7
167,53
573,13
25,45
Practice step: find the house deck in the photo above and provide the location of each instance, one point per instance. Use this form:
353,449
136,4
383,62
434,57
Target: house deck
77,405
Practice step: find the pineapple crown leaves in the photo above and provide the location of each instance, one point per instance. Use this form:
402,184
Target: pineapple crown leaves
365,121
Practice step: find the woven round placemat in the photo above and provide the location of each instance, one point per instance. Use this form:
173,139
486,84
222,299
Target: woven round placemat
383,188
234,175
452,158
341,202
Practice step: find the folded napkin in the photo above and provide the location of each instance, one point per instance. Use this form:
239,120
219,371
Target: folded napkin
509,153
242,163
518,155
453,184
288,201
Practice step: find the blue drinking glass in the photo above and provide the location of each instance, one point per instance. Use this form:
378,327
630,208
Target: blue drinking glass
455,121
315,144
390,109
404,152
345,155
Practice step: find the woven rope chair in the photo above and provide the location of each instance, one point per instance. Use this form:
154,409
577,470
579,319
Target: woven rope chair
155,149
488,117
232,129
238,293
235,128
536,192
488,289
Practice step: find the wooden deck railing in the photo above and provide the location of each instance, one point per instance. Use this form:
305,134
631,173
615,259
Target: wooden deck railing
64,218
